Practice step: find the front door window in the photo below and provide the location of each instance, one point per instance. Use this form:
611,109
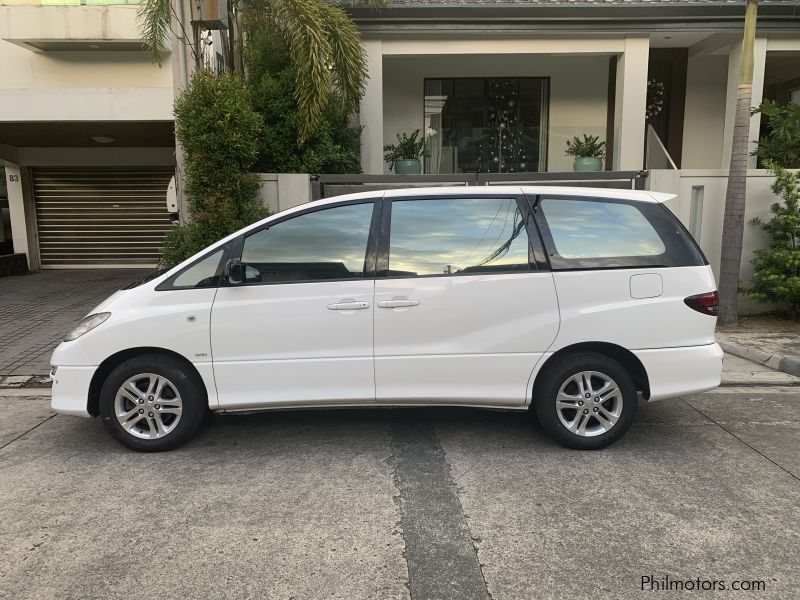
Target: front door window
486,125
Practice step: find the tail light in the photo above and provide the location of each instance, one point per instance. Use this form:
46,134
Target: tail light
707,303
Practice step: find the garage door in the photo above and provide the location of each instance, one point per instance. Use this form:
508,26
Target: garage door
90,217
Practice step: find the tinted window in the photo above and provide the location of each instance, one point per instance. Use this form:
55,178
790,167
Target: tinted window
325,244
456,237
593,229
590,233
203,273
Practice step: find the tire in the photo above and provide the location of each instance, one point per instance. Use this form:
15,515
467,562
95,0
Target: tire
152,403
566,383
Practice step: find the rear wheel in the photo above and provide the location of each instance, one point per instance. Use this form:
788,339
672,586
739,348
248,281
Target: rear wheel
151,403
585,400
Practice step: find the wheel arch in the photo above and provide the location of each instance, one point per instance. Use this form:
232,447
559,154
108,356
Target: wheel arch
623,356
110,363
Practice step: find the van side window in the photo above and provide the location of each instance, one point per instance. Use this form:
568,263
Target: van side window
607,233
457,236
325,244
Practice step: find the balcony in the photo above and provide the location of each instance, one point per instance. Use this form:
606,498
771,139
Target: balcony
70,25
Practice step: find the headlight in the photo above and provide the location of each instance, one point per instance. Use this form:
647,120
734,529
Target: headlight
86,325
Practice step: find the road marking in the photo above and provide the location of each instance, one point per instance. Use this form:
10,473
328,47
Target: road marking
441,557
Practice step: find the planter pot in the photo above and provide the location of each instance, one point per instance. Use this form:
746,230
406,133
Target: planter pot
588,163
408,166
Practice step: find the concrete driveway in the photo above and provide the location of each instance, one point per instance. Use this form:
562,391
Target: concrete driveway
426,504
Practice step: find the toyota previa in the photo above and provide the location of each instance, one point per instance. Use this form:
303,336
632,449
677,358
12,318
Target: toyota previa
573,303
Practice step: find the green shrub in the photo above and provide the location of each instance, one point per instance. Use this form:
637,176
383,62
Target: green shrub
776,277
407,147
781,145
588,147
332,146
219,130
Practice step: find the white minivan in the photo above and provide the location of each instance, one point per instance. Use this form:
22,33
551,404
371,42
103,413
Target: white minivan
570,302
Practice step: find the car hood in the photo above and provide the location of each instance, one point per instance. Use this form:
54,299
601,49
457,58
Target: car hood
108,302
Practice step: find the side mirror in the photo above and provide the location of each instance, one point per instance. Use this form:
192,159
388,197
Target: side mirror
234,271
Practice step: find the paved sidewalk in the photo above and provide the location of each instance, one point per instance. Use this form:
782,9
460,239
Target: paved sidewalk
767,340
738,371
37,310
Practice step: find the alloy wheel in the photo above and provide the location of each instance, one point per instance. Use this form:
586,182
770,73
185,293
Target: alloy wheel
589,403
148,406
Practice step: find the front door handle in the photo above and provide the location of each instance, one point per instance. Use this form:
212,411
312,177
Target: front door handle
348,306
397,303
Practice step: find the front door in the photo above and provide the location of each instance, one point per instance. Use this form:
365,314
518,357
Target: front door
463,314
299,328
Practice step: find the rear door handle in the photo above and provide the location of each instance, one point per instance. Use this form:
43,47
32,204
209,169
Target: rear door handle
397,303
348,306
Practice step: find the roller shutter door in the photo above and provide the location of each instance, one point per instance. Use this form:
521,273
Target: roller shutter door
88,217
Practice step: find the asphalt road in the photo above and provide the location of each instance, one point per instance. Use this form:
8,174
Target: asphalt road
427,504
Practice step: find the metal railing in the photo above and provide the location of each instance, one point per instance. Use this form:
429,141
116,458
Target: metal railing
325,186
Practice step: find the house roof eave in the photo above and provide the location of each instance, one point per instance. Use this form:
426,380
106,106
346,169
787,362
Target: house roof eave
553,16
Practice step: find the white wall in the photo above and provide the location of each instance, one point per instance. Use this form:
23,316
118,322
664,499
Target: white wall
80,85
281,191
578,91
714,182
704,120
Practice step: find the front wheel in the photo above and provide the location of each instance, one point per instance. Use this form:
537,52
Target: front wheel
585,401
152,403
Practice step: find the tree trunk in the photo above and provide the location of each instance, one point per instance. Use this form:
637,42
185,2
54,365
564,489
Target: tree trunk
733,221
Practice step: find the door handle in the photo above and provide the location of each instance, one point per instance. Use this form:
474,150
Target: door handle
348,306
397,303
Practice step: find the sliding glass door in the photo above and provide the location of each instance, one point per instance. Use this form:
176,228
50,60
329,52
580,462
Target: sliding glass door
487,125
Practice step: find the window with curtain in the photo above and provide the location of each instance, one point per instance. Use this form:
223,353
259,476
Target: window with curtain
486,125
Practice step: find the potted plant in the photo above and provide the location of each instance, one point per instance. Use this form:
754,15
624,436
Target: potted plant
589,152
403,157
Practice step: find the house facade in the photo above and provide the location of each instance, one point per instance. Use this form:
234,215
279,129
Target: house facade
493,86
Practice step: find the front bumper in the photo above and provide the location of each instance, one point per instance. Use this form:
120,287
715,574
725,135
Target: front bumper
674,372
71,390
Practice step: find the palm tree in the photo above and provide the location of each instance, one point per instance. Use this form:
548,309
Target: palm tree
733,221
324,43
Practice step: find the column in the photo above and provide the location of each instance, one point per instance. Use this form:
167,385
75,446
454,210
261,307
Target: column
16,209
631,104
371,113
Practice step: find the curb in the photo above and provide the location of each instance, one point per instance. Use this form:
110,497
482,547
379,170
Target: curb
786,364
25,381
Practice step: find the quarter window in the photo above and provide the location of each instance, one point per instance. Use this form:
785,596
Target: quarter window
457,237
594,233
325,244
203,273
593,229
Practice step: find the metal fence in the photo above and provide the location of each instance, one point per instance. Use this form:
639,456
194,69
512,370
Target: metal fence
325,186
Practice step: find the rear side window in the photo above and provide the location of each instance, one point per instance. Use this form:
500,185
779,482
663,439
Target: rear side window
457,236
586,233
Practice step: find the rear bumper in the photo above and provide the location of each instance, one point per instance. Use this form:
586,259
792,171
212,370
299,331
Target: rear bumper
71,390
674,372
